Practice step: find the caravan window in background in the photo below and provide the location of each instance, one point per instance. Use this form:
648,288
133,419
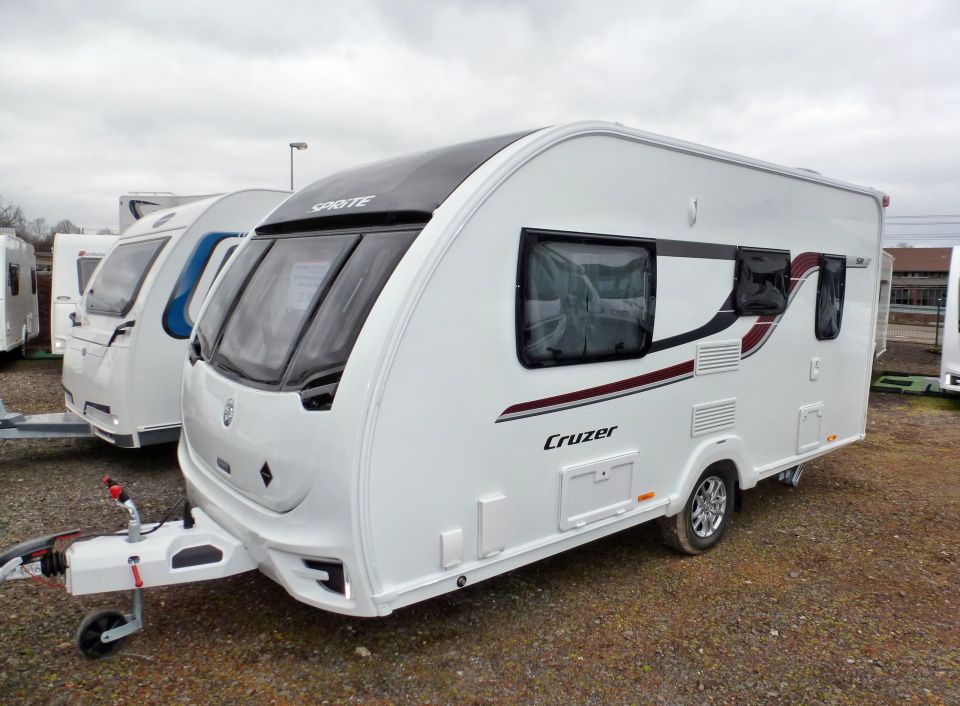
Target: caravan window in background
830,290
33,280
584,298
268,319
762,281
117,284
85,268
13,278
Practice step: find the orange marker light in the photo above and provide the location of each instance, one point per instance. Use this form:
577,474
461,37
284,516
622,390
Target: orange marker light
832,437
645,496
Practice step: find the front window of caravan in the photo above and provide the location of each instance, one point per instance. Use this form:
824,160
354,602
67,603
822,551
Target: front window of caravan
118,282
85,268
259,337
584,298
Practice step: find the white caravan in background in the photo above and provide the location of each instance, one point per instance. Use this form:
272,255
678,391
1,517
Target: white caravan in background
883,309
137,204
18,296
75,257
421,373
950,354
121,369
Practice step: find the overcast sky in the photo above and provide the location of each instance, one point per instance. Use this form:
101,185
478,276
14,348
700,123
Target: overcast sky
102,98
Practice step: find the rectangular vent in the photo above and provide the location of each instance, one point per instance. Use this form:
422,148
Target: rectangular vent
717,357
713,416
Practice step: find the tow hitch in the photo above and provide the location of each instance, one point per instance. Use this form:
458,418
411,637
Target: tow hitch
159,554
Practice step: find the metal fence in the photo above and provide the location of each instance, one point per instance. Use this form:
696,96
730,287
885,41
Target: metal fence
916,322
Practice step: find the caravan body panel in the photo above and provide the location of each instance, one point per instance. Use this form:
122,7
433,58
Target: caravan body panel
18,297
75,258
448,452
122,366
950,355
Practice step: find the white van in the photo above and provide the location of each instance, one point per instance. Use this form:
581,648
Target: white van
18,297
121,369
75,257
950,354
421,373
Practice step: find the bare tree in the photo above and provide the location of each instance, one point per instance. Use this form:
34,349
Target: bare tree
11,216
66,226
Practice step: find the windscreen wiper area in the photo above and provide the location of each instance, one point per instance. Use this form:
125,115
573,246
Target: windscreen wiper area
318,393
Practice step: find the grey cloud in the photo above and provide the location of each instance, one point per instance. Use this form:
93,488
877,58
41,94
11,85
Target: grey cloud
100,98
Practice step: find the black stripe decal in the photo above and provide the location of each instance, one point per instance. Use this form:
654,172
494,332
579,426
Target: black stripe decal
691,248
723,319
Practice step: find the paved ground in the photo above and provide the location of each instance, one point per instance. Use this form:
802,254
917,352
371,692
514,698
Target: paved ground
844,590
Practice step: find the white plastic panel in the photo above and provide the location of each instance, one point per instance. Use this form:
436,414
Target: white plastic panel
717,357
713,416
808,431
493,525
451,548
597,490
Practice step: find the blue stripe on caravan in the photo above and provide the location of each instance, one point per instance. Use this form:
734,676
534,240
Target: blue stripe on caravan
176,321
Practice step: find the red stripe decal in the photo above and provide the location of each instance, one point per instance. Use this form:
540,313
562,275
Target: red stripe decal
799,267
622,385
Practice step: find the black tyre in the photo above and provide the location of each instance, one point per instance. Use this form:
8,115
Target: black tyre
92,627
705,517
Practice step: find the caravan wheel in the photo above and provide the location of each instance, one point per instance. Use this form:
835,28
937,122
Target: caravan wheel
705,517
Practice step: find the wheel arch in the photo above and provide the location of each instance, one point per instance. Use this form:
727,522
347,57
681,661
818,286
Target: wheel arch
729,453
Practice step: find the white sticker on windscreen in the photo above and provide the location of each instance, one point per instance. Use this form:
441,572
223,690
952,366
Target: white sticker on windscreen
305,279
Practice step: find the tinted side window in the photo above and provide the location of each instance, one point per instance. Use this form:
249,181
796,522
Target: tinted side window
33,280
584,298
830,290
13,278
762,281
85,268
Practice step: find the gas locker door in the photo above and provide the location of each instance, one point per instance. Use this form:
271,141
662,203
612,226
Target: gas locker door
810,428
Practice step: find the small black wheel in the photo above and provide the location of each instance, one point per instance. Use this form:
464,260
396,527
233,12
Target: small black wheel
705,517
92,627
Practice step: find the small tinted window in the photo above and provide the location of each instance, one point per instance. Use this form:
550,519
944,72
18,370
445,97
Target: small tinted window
830,290
762,281
584,298
266,323
118,282
85,268
33,280
13,278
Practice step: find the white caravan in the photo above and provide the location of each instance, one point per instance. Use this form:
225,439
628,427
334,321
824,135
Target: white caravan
421,373
137,204
950,354
75,257
883,309
18,296
121,369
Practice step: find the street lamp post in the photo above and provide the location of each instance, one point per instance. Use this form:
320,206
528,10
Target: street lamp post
295,146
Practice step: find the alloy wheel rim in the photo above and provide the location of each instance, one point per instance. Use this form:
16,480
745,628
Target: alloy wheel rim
709,507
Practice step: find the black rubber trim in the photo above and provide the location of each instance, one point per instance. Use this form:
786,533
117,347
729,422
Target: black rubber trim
158,436
691,248
196,556
723,319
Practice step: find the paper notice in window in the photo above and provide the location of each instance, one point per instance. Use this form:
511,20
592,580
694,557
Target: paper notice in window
305,279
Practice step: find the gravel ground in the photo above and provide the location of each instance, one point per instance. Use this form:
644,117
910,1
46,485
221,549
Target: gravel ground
915,358
843,590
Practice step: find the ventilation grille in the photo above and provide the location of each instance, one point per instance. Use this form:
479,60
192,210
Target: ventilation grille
713,416
719,357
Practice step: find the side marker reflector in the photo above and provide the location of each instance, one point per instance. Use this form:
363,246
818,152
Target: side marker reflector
645,496
832,437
